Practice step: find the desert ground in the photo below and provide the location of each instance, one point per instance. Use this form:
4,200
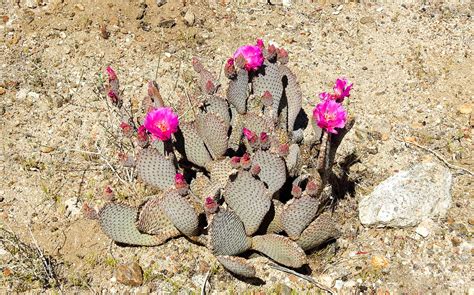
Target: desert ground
411,63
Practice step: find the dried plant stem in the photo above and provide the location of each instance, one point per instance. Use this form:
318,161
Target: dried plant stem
203,288
449,165
305,277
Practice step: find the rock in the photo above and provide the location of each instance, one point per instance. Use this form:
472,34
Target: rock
31,3
160,3
129,274
379,262
465,108
408,197
169,23
2,91
366,20
426,227
72,207
189,18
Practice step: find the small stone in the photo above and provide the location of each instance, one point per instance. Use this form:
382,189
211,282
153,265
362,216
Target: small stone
129,274
72,207
189,18
456,241
2,91
408,197
470,221
380,262
169,23
160,3
465,108
46,149
31,3
425,228
79,7
364,68
366,20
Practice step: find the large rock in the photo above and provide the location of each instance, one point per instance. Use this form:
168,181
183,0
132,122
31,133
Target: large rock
408,197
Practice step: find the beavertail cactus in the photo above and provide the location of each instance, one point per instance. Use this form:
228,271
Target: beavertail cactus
239,172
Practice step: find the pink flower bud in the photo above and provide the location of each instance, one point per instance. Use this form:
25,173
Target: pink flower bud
210,205
113,97
179,181
282,56
251,137
161,123
296,191
267,99
330,115
260,43
111,73
108,194
229,69
312,188
235,162
127,130
142,135
264,141
255,170
283,150
210,87
245,161
271,52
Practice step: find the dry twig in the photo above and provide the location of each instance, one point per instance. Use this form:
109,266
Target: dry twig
449,165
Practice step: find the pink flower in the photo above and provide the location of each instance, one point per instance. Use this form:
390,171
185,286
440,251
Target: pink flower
329,115
253,56
111,73
161,123
326,96
342,89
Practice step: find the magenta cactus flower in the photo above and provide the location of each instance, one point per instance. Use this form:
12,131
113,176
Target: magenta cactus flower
330,115
326,96
342,89
161,123
253,56
111,73
251,136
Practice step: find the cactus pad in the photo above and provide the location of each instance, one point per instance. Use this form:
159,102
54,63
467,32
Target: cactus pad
118,223
155,169
281,249
227,234
275,225
321,230
257,123
152,220
195,150
238,91
213,131
220,172
248,197
217,105
298,214
268,79
292,159
273,170
237,265
181,213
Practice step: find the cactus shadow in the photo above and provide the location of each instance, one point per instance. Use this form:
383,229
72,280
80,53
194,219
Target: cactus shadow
341,183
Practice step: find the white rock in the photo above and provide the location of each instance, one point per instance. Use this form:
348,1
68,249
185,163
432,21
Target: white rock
72,206
426,227
408,197
31,3
286,3
189,18
21,94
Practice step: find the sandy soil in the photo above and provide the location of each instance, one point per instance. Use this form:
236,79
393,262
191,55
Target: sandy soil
412,66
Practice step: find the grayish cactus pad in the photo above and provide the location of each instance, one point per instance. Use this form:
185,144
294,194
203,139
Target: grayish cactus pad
152,220
321,230
237,127
270,80
248,197
237,92
213,131
273,169
155,169
237,265
217,105
275,225
181,213
292,159
293,95
227,234
257,123
281,249
196,151
202,187
220,172
298,214
118,223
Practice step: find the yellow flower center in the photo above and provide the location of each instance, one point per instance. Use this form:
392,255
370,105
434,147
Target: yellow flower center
162,126
329,116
